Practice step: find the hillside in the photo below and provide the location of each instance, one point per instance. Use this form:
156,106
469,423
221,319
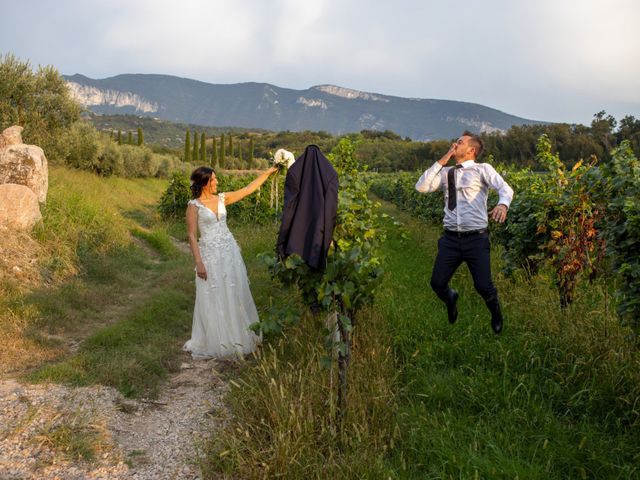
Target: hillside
252,105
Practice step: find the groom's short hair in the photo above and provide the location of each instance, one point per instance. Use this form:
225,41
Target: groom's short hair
476,142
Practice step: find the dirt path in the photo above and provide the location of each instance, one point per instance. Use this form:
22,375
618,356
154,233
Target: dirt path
52,431
45,426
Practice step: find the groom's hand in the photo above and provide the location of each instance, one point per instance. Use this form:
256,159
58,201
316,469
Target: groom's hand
499,214
447,156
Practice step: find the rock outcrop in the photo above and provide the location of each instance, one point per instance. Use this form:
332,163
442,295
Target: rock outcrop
23,164
19,207
11,136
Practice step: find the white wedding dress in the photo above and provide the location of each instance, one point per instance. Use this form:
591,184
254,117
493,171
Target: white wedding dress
224,307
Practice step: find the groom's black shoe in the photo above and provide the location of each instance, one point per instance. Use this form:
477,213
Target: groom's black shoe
496,320
452,309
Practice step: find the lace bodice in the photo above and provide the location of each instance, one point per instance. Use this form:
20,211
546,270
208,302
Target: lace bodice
214,233
207,219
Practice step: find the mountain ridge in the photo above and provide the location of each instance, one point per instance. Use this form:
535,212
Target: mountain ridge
327,107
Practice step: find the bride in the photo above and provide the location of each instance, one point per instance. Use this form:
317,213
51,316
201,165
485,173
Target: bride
224,307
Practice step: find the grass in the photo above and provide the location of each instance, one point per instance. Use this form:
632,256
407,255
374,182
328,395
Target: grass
136,353
159,240
284,411
554,396
284,401
74,436
114,302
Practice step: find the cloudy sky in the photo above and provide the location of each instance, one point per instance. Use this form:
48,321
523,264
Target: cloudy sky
554,60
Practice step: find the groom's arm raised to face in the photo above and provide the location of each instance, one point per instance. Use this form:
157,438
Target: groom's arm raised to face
431,180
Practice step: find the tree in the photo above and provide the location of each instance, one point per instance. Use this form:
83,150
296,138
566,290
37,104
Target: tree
129,138
602,128
40,102
203,148
214,152
240,161
222,154
196,152
187,147
630,130
119,137
251,159
230,146
140,137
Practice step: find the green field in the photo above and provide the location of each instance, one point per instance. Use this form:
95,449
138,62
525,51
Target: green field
555,396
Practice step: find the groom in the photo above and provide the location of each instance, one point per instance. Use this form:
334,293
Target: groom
465,237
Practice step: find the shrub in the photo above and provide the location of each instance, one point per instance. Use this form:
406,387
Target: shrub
110,160
166,165
174,200
139,161
82,147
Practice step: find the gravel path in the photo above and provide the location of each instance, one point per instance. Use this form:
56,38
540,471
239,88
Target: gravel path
131,439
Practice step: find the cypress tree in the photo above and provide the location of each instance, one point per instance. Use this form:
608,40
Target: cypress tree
240,161
187,147
230,146
196,153
140,137
222,154
251,159
203,148
119,137
130,138
214,152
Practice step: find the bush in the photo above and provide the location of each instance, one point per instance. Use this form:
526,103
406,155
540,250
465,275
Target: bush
166,165
174,200
82,147
85,148
110,160
139,161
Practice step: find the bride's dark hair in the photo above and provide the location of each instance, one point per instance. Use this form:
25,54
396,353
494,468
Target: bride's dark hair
199,179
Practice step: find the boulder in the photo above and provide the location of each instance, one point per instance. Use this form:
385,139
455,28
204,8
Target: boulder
23,164
11,136
19,207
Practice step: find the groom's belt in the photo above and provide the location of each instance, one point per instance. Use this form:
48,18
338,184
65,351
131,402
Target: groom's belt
468,233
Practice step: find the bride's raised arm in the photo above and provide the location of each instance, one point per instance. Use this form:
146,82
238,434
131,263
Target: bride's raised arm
233,197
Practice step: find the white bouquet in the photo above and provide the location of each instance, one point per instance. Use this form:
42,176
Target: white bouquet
283,157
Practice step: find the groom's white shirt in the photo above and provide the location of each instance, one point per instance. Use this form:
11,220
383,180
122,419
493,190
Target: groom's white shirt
473,181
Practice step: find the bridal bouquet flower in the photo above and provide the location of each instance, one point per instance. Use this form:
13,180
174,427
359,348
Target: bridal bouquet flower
283,157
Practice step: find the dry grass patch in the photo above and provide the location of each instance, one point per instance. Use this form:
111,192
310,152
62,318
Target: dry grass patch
284,409
74,436
19,261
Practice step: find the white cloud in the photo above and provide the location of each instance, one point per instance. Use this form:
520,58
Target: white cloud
546,59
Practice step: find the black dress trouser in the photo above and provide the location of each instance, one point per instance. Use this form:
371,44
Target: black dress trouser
473,249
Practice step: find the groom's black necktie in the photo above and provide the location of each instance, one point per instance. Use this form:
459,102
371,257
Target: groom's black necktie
451,185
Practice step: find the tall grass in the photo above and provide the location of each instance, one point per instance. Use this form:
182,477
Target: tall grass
555,396
283,401
85,265
284,407
87,215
